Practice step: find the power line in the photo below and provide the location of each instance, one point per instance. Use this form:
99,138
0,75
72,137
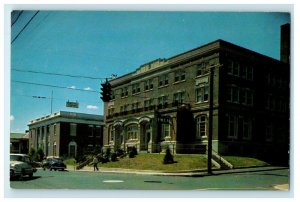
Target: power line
25,27
54,86
20,13
57,74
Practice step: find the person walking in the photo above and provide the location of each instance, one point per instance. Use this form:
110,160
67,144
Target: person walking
95,162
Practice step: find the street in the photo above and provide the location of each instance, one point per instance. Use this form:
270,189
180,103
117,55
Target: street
261,179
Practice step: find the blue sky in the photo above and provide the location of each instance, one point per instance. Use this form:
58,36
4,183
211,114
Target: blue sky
98,44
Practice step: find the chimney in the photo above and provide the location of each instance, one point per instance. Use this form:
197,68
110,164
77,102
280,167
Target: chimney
285,40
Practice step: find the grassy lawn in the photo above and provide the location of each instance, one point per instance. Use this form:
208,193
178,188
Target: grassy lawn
238,162
154,162
184,162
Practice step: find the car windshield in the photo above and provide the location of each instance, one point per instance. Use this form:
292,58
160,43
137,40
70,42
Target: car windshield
16,158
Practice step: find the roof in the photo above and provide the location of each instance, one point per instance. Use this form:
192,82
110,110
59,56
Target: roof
18,135
68,116
195,52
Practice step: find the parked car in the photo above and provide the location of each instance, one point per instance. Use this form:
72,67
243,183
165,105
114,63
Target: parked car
53,163
20,166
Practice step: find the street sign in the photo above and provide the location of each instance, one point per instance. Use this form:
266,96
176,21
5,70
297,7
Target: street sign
72,104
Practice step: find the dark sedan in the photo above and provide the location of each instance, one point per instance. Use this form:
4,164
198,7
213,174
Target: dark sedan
53,164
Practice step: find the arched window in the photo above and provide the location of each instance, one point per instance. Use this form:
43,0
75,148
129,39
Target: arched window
72,149
132,131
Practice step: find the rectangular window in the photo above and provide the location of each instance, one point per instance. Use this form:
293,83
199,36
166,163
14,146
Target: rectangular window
90,130
136,88
124,92
202,94
165,130
163,80
233,94
179,97
201,126
148,85
148,104
232,125
163,101
247,128
202,69
179,76
54,129
73,129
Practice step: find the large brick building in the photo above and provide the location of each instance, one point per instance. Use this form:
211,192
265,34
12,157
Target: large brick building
168,102
66,133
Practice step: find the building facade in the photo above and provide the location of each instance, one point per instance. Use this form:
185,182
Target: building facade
66,134
19,143
171,102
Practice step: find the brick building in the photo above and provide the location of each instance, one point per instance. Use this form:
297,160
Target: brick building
66,133
169,102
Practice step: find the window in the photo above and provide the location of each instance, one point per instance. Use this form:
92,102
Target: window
98,131
179,97
54,148
202,94
233,94
132,131
247,72
247,128
111,133
179,76
111,111
233,68
232,125
73,129
165,130
163,80
269,132
148,85
113,95
246,97
136,88
90,130
135,106
148,104
202,69
54,129
124,92
201,122
163,101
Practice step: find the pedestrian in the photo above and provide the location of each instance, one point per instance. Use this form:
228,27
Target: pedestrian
95,162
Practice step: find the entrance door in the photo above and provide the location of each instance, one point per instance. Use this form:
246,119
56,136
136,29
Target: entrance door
145,136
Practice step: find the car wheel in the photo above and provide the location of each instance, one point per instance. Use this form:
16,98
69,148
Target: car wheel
30,175
50,169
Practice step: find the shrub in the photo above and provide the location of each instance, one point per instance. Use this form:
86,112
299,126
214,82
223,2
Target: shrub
132,152
113,157
168,159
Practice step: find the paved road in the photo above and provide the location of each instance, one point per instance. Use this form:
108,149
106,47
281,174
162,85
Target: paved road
272,178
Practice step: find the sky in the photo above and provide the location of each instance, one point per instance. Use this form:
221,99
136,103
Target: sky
97,44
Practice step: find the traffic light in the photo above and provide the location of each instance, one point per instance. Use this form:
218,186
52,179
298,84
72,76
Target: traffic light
106,91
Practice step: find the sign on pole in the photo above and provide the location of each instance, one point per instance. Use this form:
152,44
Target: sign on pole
72,104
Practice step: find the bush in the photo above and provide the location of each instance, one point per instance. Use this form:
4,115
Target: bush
113,157
132,152
168,159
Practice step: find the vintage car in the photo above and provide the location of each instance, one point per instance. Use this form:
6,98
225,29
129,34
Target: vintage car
53,163
20,166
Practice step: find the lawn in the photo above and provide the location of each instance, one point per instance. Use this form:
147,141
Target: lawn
154,162
183,162
239,162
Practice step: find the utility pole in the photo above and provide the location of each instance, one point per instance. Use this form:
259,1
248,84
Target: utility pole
210,133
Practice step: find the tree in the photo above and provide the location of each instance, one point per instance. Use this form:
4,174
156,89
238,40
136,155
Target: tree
168,159
32,154
40,154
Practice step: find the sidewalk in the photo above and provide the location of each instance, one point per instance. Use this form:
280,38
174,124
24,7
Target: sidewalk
189,173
